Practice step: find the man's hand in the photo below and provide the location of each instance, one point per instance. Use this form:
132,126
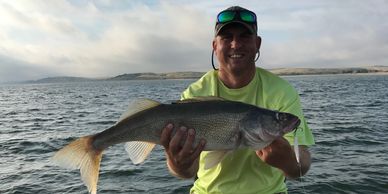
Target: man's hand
182,156
281,155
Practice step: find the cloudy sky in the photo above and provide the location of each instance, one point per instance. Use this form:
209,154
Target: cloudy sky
104,38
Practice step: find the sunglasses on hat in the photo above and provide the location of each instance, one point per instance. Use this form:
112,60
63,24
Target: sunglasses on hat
229,15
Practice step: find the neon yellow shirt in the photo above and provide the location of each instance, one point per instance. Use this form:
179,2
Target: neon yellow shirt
242,171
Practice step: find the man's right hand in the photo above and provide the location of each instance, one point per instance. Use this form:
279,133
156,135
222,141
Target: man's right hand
182,156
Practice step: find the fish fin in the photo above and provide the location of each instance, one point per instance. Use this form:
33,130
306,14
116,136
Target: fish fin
138,105
200,99
80,154
138,151
213,158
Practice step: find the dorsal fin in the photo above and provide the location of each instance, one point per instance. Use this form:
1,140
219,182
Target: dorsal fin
200,99
138,105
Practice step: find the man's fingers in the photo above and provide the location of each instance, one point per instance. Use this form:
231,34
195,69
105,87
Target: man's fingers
179,145
165,137
198,149
175,143
259,153
188,146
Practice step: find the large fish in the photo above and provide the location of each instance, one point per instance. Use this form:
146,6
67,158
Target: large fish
225,125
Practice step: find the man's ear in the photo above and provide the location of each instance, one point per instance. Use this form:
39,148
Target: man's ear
258,42
214,44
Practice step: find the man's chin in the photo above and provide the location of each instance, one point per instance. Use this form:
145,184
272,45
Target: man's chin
238,65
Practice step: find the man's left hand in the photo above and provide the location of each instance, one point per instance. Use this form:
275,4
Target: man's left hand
277,153
281,155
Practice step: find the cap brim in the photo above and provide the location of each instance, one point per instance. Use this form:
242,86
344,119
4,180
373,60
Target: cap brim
222,26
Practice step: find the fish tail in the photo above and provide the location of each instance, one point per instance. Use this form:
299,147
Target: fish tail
80,154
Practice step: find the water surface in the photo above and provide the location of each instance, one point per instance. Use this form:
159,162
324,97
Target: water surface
348,115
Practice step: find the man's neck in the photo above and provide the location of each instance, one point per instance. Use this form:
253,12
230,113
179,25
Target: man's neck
235,80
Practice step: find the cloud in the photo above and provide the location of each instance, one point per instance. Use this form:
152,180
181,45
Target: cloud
104,43
107,38
331,34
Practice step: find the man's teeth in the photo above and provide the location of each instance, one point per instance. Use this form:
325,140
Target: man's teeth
236,56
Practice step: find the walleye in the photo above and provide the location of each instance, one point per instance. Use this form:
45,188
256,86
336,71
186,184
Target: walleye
225,125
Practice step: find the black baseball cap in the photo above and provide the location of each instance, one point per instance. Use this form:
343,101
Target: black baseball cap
236,14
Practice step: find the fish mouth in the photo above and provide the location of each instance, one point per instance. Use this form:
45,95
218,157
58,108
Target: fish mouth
267,135
294,124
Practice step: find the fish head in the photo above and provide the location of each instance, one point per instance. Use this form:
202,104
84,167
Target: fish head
266,126
277,124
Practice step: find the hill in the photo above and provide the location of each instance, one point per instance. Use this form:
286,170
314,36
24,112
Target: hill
60,79
196,75
319,71
150,76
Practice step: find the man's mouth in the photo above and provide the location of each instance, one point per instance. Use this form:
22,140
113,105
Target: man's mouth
236,56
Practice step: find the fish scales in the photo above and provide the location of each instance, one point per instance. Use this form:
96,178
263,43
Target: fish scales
215,121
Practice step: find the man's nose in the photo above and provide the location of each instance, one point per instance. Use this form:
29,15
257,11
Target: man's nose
236,43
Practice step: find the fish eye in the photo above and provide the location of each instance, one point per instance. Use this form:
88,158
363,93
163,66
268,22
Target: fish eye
281,116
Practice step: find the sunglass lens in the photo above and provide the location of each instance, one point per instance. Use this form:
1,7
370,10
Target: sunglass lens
226,16
247,16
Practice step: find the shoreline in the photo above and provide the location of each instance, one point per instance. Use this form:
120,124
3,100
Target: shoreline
334,74
372,70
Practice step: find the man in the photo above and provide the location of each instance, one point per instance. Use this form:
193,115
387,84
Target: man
236,45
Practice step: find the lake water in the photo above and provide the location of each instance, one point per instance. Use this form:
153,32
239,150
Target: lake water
348,115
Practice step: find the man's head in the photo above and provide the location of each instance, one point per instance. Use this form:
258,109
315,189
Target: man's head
236,43
236,15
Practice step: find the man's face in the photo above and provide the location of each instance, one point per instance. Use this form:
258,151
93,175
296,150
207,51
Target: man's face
236,47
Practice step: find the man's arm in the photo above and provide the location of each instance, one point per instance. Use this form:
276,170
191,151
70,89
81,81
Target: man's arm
281,155
182,158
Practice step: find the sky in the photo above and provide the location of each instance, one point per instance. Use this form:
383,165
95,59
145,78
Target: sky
106,38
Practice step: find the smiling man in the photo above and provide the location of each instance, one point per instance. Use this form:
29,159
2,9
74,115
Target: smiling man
237,46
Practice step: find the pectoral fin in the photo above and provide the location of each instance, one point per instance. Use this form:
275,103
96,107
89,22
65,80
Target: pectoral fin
138,151
213,158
